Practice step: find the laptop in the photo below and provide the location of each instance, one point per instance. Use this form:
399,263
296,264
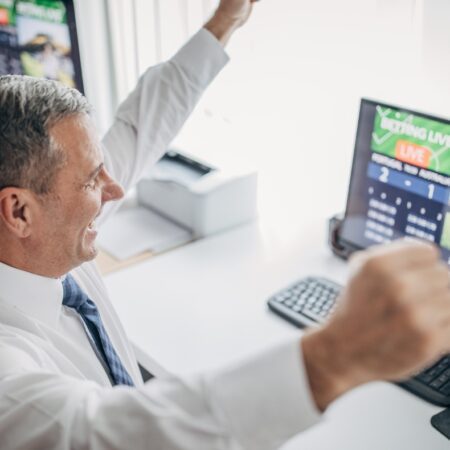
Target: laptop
399,186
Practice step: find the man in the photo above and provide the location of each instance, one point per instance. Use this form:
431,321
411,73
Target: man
68,375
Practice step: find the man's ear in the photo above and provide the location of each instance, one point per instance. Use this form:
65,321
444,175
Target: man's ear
16,210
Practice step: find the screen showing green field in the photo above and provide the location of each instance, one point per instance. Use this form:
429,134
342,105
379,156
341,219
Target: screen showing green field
412,139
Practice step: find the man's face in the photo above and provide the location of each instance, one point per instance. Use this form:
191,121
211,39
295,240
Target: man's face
66,218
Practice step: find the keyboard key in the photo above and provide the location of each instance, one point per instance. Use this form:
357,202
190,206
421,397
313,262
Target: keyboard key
438,382
445,389
432,375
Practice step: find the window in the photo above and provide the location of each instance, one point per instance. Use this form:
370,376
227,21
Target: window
145,32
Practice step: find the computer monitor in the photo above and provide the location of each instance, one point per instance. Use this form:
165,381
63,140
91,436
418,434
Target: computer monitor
39,38
400,181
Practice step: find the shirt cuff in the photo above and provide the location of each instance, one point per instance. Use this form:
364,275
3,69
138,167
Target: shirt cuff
266,400
191,57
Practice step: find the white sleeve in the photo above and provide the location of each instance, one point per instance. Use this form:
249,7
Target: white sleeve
149,119
256,405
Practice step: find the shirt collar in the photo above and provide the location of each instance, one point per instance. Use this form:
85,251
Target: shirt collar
34,295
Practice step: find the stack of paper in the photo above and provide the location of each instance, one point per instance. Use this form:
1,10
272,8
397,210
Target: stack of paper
136,230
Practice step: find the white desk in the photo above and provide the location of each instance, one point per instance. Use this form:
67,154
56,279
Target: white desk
204,305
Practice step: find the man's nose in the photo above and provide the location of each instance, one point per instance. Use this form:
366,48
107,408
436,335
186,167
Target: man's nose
112,190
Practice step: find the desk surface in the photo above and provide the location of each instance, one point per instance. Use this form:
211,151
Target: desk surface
204,305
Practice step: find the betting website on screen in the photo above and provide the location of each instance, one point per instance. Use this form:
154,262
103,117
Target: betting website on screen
400,183
38,38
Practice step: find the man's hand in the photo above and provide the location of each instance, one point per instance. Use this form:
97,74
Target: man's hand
392,320
230,15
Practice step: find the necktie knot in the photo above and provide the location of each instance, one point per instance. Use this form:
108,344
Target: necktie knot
73,296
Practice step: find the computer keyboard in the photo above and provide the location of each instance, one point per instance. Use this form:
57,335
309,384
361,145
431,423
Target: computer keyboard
306,302
311,300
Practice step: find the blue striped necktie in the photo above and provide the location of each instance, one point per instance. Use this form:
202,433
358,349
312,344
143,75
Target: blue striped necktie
74,297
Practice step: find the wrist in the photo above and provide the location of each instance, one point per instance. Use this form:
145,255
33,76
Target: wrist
329,373
222,26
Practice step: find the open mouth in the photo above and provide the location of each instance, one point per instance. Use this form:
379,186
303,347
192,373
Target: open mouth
92,226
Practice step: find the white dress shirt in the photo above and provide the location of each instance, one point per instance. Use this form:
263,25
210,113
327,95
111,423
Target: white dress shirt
55,393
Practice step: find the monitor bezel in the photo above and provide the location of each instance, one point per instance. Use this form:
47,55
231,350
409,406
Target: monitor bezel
73,31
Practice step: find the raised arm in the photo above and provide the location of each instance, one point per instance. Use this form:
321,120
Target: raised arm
149,119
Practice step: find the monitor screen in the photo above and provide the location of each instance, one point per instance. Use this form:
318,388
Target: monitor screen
400,182
38,38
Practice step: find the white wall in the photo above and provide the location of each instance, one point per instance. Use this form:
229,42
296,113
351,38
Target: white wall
289,99
436,45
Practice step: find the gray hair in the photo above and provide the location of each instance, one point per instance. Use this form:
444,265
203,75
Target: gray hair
29,107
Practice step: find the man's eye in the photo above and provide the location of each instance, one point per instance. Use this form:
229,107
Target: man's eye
91,185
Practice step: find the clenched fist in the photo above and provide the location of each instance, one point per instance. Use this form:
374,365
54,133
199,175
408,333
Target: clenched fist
230,15
392,319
